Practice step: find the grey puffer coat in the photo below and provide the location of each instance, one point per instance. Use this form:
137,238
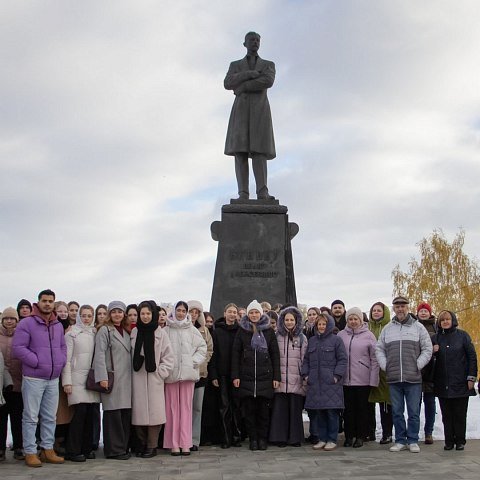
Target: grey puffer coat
325,365
403,349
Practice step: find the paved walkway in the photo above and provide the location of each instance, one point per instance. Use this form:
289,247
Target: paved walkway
212,463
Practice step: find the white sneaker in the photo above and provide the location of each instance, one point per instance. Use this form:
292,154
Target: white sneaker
398,447
330,446
319,445
414,448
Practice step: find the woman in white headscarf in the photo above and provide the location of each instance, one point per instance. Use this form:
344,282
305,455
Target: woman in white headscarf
80,340
190,351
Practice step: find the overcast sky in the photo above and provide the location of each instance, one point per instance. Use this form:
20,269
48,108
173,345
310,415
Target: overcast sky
112,127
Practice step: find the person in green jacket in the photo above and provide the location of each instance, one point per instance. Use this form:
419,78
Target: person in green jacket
378,318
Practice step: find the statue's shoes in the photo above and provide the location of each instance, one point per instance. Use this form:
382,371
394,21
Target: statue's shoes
265,196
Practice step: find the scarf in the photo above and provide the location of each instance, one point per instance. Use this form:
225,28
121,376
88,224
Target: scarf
258,342
146,339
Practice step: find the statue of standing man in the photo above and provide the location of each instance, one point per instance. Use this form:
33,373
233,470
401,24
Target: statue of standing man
250,129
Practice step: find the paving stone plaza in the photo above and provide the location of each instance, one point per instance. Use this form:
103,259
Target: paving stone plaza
212,463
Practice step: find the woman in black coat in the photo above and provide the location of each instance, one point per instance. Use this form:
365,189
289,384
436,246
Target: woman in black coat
256,372
454,377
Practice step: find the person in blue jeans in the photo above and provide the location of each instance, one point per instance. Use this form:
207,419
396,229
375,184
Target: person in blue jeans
324,367
39,343
403,349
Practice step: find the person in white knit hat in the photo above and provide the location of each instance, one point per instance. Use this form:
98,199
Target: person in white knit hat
256,372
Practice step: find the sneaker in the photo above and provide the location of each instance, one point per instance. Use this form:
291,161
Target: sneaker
414,448
319,445
428,440
385,440
398,447
330,446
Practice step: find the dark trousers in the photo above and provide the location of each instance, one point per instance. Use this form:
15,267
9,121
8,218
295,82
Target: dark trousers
13,407
256,413
230,412
97,426
147,435
211,426
79,437
356,411
454,418
286,423
372,422
386,417
116,431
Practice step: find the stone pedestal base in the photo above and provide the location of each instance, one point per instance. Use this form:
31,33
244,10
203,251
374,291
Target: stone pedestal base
254,259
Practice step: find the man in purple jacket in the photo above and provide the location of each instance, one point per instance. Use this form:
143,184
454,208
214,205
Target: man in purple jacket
39,343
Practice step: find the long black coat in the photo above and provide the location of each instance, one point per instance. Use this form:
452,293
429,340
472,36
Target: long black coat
256,370
223,336
455,360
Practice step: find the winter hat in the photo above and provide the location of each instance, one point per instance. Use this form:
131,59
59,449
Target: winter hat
195,304
354,311
426,306
9,312
400,300
254,305
117,304
337,302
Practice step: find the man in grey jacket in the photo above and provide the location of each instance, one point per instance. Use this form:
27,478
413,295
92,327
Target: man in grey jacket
403,349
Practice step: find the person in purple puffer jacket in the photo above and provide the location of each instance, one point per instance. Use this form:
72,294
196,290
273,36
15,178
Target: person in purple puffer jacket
362,373
286,424
39,343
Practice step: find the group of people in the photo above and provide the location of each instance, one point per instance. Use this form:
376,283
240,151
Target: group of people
250,373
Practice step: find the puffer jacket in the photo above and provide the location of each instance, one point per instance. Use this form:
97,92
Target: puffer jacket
256,370
325,365
80,347
40,347
13,365
292,348
362,368
189,349
403,349
455,362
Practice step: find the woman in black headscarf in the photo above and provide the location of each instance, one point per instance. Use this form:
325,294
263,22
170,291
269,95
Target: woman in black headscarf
152,363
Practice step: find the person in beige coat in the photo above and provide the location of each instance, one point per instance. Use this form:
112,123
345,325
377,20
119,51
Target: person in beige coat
152,357
13,394
190,351
117,405
195,309
80,340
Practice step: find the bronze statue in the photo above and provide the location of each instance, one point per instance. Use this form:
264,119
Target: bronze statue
250,129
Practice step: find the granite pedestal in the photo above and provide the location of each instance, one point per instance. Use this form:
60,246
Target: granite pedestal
254,259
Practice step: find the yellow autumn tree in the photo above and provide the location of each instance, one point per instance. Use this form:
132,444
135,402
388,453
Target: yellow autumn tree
444,277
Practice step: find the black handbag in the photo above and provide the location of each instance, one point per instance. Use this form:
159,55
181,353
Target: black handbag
95,386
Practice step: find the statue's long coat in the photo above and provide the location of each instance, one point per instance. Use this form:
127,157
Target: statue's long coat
250,127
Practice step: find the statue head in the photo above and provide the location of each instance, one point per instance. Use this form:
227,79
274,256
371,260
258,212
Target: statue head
252,42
